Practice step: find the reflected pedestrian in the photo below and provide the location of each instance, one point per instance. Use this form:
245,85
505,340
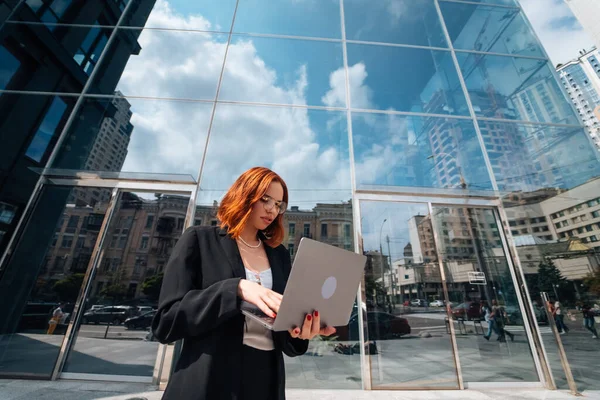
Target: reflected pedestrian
57,316
488,316
588,319
559,318
500,319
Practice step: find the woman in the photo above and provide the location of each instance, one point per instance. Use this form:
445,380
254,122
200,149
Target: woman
212,270
487,312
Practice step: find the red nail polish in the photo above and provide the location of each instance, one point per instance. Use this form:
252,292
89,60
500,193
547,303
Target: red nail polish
309,317
316,313
297,331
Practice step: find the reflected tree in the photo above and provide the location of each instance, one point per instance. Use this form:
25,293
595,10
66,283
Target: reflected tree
67,289
151,286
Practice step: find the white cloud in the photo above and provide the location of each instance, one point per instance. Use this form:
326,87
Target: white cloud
362,95
560,35
169,135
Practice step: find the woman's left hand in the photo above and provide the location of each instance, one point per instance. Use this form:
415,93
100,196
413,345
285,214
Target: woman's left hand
311,328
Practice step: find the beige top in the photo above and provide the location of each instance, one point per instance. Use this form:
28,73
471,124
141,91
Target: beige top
257,270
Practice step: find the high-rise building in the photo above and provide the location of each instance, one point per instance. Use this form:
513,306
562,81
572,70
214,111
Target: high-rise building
586,11
581,79
433,136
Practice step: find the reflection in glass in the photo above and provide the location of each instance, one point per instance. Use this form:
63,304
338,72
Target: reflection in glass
185,65
46,270
481,288
299,144
409,343
395,150
122,134
284,71
557,238
181,14
490,29
289,17
53,12
538,157
48,130
8,66
113,337
384,77
515,88
80,48
399,21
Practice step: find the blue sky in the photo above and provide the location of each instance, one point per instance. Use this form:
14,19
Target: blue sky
302,146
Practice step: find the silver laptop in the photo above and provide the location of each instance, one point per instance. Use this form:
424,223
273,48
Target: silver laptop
324,278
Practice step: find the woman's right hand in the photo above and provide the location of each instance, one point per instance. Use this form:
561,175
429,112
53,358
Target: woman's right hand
265,299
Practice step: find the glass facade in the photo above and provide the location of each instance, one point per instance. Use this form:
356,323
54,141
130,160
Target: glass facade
430,135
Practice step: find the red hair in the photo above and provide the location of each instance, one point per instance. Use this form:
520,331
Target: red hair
236,207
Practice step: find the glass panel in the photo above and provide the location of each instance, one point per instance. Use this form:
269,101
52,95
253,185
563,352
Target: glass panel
79,49
182,14
515,88
409,343
395,150
317,173
8,66
48,130
284,71
538,157
107,13
557,237
113,337
481,290
185,65
490,29
289,17
498,2
43,278
384,77
122,134
399,21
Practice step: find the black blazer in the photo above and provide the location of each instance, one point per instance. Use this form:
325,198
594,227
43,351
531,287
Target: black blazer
199,303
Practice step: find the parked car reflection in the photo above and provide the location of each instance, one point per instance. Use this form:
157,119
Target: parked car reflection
381,325
115,315
141,321
469,310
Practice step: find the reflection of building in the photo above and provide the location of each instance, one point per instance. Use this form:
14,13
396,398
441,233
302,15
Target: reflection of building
581,80
327,223
540,101
559,216
108,150
587,12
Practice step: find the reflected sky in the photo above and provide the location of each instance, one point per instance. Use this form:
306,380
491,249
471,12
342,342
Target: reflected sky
394,150
303,146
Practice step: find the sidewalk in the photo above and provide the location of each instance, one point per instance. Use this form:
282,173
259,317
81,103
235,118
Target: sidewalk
80,390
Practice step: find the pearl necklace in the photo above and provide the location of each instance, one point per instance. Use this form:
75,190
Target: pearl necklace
252,247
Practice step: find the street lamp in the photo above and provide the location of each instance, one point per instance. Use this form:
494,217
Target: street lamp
463,183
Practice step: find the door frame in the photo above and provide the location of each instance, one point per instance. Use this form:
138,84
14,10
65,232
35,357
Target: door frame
480,200
118,186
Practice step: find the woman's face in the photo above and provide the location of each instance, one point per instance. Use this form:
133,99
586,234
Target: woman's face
266,210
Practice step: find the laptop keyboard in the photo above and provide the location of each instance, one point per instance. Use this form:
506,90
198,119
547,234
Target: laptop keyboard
257,312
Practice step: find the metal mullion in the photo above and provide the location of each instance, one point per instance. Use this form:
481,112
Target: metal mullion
95,260
490,53
35,23
436,239
292,37
365,360
534,335
409,113
481,4
403,45
214,108
463,85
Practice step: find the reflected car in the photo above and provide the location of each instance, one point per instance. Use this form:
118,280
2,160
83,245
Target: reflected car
381,326
470,310
140,322
418,303
113,315
436,303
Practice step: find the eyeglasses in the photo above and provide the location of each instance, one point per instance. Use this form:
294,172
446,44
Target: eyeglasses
269,203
